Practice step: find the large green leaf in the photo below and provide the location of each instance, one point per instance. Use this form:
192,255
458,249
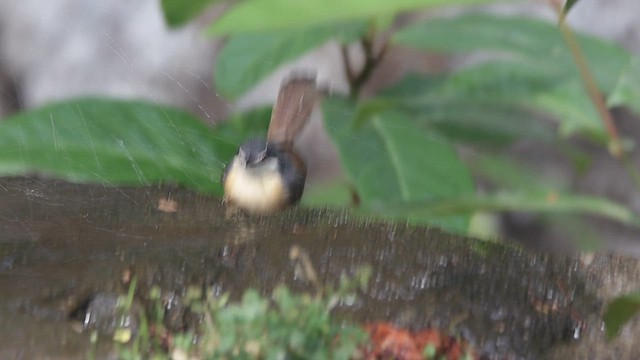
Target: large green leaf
533,42
550,202
483,124
178,12
511,175
247,59
620,311
627,90
531,66
474,32
336,194
261,15
114,142
473,105
390,160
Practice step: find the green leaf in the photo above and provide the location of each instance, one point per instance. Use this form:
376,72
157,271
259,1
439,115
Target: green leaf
121,142
178,12
510,174
247,59
620,311
569,103
261,15
530,65
489,125
550,202
471,107
627,90
323,195
389,159
526,41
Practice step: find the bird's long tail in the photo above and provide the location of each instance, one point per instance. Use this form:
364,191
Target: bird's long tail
293,107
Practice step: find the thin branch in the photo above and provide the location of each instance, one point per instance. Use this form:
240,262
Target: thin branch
589,82
616,147
592,88
371,61
348,70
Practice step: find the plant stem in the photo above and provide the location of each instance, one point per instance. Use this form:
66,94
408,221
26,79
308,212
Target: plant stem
616,148
348,69
589,82
357,81
371,61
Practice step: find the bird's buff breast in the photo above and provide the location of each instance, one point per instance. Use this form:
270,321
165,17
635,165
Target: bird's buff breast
255,190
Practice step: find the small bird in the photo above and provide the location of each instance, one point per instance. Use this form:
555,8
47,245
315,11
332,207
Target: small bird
268,175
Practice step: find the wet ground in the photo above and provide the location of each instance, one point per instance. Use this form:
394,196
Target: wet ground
65,248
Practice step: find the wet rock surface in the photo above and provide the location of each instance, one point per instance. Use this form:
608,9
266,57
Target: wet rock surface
66,247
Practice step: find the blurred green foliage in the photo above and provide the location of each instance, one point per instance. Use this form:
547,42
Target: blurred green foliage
389,159
248,58
399,148
263,15
529,66
115,142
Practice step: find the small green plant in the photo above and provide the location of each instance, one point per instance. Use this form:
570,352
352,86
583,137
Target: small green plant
283,325
287,326
620,311
140,339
